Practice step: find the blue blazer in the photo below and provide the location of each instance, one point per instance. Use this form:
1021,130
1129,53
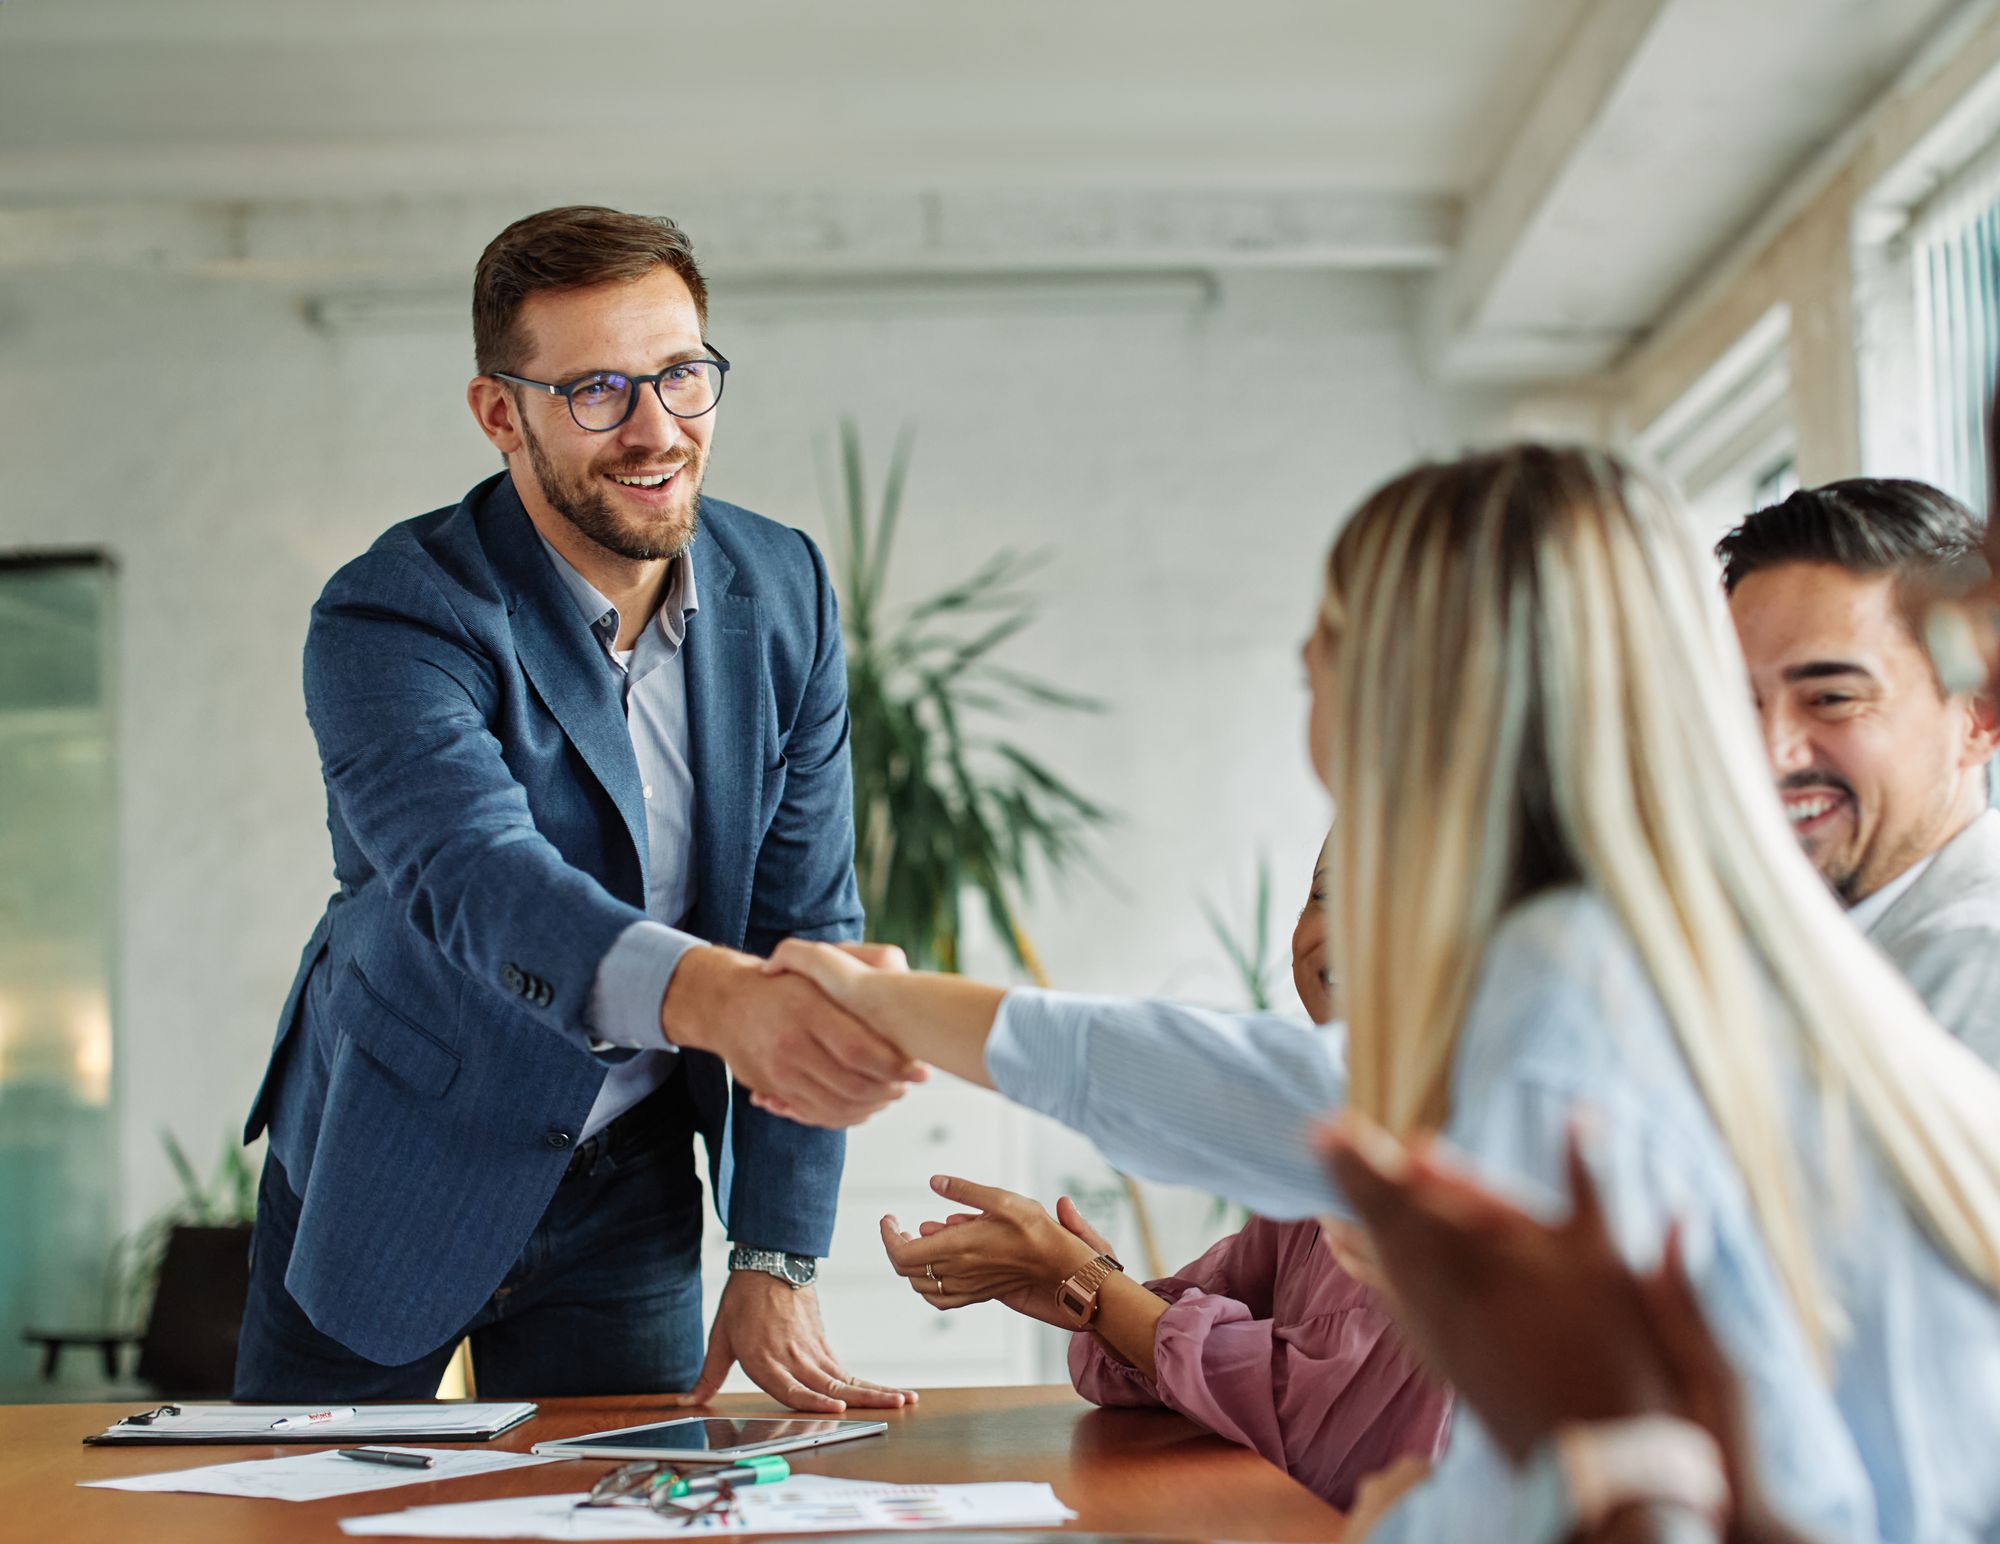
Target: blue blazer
432,1066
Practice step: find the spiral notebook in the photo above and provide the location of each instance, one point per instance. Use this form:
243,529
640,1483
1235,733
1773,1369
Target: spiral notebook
451,1421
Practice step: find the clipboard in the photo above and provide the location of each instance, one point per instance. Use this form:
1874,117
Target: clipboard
251,1425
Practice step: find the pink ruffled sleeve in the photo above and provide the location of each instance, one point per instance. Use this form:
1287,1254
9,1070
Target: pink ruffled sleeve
1269,1343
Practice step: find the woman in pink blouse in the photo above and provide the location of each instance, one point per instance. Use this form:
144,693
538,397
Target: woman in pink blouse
1264,1340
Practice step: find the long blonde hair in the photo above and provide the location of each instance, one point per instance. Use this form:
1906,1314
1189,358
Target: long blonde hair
1535,683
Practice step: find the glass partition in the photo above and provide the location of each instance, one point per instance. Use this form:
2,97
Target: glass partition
57,864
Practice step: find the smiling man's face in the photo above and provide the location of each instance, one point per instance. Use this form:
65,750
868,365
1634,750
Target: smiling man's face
1877,767
608,486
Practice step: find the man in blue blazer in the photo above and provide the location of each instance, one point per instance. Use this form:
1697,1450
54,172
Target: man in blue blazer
584,738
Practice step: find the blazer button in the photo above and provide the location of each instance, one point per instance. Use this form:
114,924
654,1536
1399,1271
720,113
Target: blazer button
556,1138
512,979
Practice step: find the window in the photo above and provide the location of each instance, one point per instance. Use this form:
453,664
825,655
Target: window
1729,443
1954,246
1776,483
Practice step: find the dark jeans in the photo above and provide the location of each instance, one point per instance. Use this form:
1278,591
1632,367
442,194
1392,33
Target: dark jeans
604,1299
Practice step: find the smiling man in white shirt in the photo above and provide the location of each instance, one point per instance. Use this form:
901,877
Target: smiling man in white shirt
1883,772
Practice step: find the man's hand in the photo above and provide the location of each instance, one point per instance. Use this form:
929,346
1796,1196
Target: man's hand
773,1331
782,1039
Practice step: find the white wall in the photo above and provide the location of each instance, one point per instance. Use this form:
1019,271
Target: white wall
1186,464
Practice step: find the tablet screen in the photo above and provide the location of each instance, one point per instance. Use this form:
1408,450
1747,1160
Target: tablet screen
704,1434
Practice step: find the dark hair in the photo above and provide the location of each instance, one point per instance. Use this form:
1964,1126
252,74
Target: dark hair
1866,525
570,248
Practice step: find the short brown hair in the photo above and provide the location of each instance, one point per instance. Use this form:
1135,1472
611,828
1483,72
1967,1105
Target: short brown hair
574,247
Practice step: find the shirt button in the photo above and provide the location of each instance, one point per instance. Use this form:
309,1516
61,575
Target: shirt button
556,1138
649,790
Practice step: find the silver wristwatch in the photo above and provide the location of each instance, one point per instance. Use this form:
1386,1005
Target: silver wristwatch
794,1270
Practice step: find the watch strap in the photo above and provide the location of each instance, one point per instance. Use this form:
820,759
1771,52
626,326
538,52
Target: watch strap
795,1270
1083,1285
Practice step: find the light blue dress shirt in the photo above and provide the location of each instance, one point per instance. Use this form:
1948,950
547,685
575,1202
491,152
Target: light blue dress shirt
1564,1019
633,977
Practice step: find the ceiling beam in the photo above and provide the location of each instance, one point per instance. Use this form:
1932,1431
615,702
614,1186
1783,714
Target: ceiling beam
763,235
1666,127
1517,196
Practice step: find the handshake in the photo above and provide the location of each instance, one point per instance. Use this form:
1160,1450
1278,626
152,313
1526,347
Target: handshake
793,1028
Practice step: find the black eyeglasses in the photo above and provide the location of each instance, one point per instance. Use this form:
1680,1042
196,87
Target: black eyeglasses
652,1484
604,399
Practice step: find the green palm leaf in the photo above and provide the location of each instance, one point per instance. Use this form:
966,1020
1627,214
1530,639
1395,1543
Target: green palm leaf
942,806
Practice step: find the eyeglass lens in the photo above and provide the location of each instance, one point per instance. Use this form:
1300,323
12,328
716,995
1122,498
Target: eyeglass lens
604,401
627,1480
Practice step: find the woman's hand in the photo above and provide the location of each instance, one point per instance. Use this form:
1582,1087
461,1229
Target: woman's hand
840,971
941,1020
1009,1251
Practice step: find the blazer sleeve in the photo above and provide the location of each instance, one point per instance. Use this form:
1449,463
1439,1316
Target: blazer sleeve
787,1176
399,693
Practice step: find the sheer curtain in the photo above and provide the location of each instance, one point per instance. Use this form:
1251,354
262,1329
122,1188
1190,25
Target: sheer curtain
1955,249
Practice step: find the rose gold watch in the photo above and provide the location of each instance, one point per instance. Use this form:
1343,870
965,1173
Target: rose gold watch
1076,1295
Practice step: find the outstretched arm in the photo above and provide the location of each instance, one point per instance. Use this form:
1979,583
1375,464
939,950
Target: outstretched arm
1168,1093
943,1020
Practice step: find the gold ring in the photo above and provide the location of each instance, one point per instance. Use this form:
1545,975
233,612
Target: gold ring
936,1280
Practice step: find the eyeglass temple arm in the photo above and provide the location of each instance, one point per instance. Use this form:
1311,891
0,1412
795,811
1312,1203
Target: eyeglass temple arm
522,380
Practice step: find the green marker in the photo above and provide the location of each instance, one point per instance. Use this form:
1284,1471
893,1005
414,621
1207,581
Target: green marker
767,1470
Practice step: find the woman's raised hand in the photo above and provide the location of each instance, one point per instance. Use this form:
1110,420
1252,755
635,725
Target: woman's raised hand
1009,1250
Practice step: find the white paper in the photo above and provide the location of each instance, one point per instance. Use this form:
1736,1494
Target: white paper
806,1503
318,1476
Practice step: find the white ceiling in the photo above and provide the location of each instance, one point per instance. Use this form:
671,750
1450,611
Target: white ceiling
126,98
1569,166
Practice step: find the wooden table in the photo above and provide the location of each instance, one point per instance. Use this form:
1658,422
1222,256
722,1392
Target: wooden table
1121,1471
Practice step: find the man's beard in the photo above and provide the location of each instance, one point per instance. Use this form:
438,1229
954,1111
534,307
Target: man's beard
588,507
1841,871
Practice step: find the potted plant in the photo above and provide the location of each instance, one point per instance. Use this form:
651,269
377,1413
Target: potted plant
945,807
182,1278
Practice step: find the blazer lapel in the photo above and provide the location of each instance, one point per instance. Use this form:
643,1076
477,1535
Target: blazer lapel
726,718
565,662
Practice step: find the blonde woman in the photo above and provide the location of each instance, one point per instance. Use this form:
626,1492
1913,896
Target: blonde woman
1561,883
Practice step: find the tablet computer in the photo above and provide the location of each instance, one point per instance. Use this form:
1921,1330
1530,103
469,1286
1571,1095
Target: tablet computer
709,1439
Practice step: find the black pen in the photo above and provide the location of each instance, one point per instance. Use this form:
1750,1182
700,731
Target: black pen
389,1456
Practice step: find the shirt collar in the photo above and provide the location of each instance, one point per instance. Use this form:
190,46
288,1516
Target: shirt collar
1870,909
679,603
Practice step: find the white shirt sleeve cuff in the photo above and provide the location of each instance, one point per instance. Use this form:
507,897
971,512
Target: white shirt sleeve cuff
632,980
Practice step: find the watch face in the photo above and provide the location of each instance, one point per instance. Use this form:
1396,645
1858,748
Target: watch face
800,1273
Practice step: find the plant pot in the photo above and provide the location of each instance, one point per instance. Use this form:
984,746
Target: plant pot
189,1348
